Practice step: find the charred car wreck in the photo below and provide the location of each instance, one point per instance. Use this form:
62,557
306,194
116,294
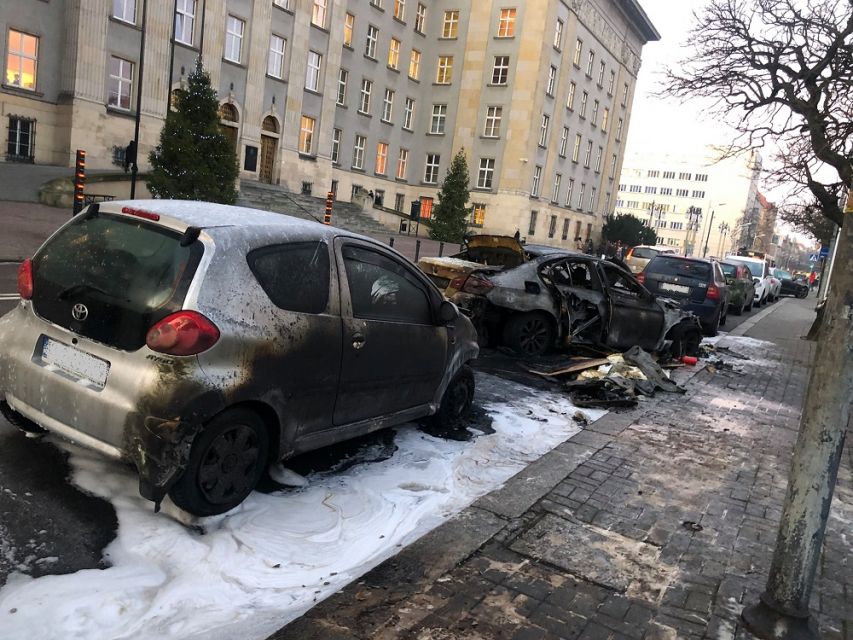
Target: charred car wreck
543,297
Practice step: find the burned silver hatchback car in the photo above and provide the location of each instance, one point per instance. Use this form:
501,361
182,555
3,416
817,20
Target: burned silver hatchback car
568,298
203,342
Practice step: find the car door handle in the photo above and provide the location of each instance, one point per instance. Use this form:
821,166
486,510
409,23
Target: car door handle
357,341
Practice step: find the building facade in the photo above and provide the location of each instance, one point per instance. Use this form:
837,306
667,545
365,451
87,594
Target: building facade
349,95
696,203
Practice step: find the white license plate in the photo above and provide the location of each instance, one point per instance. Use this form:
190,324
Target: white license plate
678,288
75,363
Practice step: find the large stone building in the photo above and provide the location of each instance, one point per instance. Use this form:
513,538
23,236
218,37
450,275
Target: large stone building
349,95
695,202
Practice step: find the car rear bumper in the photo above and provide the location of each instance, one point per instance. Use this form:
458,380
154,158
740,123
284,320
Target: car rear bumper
706,311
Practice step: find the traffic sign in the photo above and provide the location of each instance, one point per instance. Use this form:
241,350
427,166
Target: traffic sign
813,257
824,251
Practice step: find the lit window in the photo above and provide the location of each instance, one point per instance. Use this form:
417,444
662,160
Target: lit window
306,135
444,71
415,64
420,18
408,113
394,53
537,178
343,76
492,128
121,81
370,43
399,9
336,145
500,70
543,130
604,118
234,39
312,72
402,162
387,105
431,168
381,158
364,101
318,14
185,21
558,34
450,25
479,214
125,10
506,23
486,173
358,152
349,26
22,59
275,64
439,115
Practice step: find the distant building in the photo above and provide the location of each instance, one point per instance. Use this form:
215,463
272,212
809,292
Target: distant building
349,95
760,236
695,204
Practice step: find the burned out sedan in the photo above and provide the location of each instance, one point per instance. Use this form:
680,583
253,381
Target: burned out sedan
569,298
201,343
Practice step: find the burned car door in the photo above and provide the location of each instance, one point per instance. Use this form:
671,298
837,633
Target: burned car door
583,306
635,317
394,350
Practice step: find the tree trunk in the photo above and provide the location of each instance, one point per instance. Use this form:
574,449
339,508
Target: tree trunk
783,611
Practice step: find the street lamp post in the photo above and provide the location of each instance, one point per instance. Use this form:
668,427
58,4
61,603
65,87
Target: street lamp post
134,169
724,230
710,226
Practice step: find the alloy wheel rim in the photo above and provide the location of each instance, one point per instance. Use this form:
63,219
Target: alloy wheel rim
228,466
533,336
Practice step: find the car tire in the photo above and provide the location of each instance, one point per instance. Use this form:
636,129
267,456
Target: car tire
724,315
738,311
529,334
685,342
227,459
456,401
751,304
714,328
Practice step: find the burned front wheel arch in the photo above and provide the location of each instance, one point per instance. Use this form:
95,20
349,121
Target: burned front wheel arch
685,339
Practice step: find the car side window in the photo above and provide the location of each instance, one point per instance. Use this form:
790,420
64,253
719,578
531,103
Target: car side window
383,289
621,282
295,276
570,273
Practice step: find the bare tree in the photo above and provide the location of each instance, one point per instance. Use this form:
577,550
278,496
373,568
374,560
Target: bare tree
781,71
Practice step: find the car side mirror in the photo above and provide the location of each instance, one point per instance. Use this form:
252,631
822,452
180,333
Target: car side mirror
447,312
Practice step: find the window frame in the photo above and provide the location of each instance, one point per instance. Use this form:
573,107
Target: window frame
232,38
506,22
121,82
358,145
21,55
450,24
492,121
122,18
306,135
371,41
273,53
313,72
187,19
319,12
486,173
444,70
438,119
364,96
432,166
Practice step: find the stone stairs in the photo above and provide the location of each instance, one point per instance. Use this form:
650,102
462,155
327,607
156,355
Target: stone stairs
345,215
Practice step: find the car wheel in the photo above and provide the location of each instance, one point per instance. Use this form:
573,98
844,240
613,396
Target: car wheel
227,459
685,342
724,315
751,303
714,328
456,401
738,311
529,334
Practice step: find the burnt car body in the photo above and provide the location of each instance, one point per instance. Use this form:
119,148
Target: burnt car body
741,287
200,341
563,297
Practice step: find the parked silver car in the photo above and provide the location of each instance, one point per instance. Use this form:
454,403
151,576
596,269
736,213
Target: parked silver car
202,342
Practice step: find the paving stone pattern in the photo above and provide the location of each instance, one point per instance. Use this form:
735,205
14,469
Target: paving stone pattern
698,478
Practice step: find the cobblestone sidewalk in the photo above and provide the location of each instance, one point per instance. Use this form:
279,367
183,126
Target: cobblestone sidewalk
657,523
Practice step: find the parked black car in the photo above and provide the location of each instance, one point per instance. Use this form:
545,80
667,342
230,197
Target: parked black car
791,287
698,284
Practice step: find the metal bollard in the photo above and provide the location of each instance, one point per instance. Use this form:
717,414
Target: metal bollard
417,250
440,249
390,242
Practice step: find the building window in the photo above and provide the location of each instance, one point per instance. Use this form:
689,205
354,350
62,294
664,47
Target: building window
565,234
500,70
590,61
402,162
537,179
588,155
381,158
121,82
531,227
349,26
234,39
336,145
590,206
685,176
376,3
701,177
698,194
492,129
667,175
312,73
364,101
21,141
439,115
370,43
426,208
343,77
394,53
399,9
558,34
570,99
552,80
601,68
450,26
604,117
431,169
420,18
681,193
125,10
578,224
306,135
555,192
598,156
22,59
358,152
619,129
625,94
185,21
284,4
594,112
569,190
612,166
415,64
444,71
506,23
486,173
577,148
611,83
651,190
564,140
318,15
580,196
543,130
408,113
275,64
584,100
387,105
576,58
478,216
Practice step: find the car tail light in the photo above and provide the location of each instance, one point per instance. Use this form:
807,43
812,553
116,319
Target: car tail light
25,279
641,278
477,285
141,213
713,292
184,333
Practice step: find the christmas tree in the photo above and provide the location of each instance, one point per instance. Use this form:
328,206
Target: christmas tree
450,215
194,160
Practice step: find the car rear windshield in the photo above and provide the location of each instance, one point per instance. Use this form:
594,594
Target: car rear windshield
110,278
644,252
729,269
679,267
755,268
